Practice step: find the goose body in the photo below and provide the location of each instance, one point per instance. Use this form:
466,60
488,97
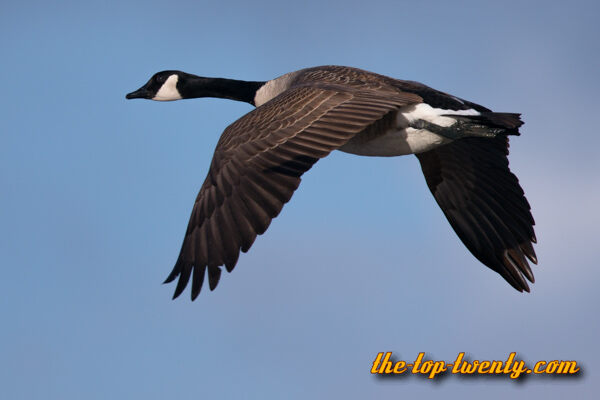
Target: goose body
302,116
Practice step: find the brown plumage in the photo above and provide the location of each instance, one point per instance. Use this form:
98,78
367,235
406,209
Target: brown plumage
303,116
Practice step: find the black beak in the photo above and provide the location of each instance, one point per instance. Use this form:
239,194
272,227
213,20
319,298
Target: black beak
141,93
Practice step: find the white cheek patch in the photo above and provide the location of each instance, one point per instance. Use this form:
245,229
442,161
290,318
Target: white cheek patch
168,91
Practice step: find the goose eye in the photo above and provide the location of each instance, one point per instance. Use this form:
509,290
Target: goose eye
160,79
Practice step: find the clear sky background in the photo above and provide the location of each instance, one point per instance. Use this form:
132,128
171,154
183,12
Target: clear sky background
96,194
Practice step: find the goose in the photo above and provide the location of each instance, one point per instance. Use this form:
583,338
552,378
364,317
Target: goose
304,115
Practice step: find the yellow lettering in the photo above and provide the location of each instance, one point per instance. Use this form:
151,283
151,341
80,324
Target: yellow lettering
418,363
567,367
438,366
496,367
551,367
473,367
374,369
518,369
400,367
465,368
459,360
386,365
509,361
483,367
427,365
537,368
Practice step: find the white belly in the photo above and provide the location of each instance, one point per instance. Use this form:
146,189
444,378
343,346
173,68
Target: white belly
403,139
396,142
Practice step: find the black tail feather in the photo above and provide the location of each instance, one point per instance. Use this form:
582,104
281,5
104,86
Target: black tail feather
509,123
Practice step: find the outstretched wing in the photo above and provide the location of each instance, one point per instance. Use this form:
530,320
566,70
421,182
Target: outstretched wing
257,165
484,203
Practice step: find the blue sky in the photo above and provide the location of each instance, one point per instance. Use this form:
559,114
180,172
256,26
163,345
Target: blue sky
97,190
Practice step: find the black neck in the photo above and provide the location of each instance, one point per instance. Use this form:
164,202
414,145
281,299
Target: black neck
196,86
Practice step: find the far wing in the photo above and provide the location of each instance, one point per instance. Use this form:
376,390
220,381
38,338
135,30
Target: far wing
484,203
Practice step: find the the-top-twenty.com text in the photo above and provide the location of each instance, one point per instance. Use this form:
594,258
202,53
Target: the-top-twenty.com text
513,368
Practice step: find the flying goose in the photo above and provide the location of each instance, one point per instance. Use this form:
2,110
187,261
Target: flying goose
302,116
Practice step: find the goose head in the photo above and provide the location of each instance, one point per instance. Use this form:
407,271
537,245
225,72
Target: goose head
163,86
